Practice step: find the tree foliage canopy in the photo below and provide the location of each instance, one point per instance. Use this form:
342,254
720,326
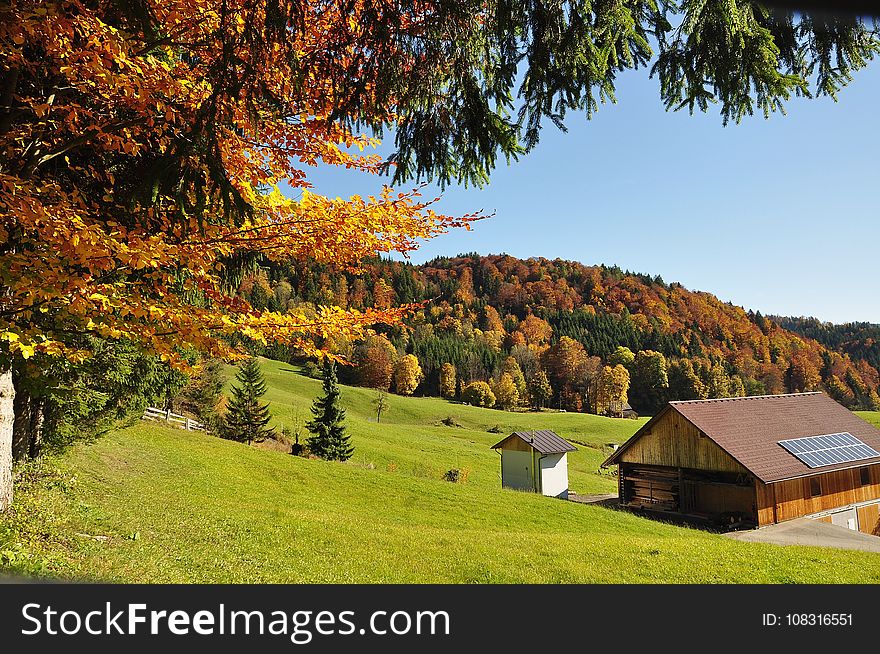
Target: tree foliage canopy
478,393
142,145
407,374
447,381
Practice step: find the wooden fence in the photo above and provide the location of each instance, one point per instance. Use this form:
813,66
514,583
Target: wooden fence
152,413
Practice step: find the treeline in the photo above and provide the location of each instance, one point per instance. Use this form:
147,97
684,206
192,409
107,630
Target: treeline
569,322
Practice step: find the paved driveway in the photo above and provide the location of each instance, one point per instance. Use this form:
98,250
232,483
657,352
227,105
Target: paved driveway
810,532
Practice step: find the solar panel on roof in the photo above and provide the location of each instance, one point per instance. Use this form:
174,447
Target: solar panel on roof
819,451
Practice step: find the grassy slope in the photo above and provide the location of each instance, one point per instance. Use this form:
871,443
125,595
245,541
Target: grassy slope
412,439
182,507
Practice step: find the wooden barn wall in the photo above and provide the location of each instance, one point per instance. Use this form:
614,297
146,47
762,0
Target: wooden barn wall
765,503
793,497
869,519
675,442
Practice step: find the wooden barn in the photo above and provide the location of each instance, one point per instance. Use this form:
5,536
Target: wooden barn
755,461
535,461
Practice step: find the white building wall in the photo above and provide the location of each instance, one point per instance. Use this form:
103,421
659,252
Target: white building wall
554,475
848,518
516,470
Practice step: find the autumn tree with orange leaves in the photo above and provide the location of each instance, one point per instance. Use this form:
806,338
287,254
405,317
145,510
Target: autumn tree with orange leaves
152,151
375,357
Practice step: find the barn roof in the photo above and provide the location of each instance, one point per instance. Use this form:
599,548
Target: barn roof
750,428
544,441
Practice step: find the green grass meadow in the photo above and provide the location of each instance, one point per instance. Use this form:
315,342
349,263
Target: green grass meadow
152,504
871,416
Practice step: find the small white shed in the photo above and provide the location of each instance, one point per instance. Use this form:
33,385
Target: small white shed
535,461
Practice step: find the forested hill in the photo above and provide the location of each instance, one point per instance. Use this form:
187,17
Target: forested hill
861,340
483,309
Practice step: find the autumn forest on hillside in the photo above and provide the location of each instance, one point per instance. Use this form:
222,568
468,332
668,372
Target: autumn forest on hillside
500,331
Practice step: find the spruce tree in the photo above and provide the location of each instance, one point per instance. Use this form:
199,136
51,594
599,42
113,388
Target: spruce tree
246,418
328,439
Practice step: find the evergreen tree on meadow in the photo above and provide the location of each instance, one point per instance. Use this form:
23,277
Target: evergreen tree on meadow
328,439
246,418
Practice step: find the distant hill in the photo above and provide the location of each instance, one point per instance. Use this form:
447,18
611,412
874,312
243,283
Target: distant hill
477,308
860,340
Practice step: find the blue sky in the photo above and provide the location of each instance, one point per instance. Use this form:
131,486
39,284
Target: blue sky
777,215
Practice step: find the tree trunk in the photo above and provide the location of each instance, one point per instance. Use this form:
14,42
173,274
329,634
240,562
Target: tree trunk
7,417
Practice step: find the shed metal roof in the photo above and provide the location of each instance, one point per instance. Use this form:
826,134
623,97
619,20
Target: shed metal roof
544,441
750,428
